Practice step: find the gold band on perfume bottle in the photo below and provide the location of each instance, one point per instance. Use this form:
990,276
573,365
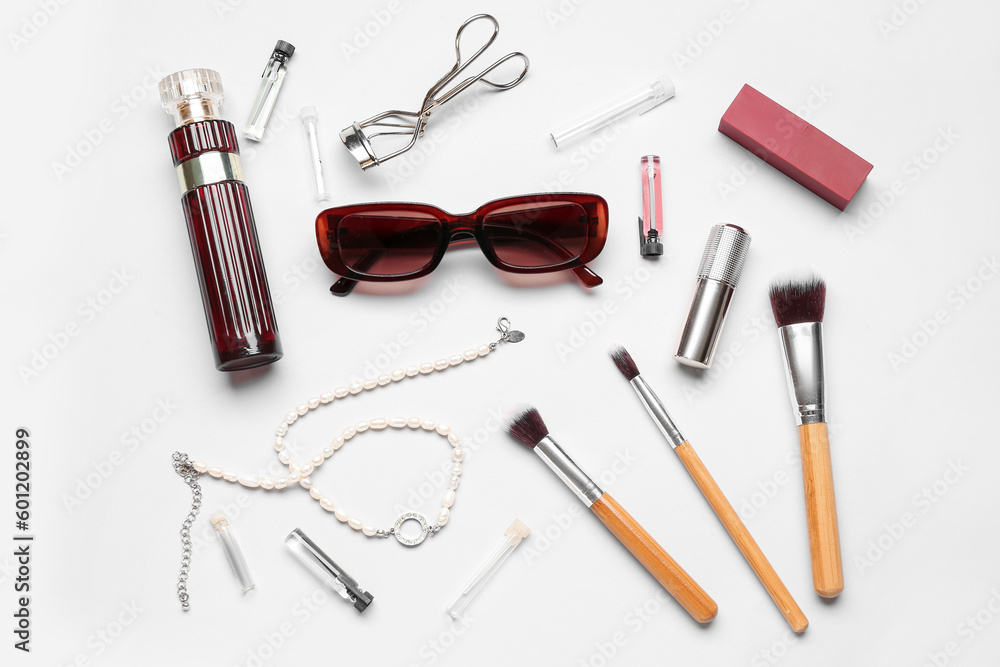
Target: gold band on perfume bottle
213,167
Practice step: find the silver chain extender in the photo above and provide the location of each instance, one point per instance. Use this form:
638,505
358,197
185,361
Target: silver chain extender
184,468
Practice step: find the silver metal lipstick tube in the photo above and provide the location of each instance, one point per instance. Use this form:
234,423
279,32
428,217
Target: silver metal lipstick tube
568,471
655,409
802,352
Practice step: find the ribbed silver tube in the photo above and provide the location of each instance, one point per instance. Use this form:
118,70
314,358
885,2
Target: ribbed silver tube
718,275
568,471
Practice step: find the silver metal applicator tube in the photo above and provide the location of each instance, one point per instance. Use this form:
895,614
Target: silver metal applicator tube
656,410
802,353
568,471
718,275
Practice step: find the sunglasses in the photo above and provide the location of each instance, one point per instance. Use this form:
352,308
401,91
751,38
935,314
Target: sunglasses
387,242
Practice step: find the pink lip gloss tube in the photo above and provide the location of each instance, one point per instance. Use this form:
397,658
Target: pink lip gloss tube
651,222
220,223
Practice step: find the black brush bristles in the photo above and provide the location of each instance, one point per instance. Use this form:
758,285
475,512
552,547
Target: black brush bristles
527,427
623,360
798,300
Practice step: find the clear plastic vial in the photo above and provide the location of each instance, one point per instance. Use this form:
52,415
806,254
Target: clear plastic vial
267,93
233,552
516,532
310,123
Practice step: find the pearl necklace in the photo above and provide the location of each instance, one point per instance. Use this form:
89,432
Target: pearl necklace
300,473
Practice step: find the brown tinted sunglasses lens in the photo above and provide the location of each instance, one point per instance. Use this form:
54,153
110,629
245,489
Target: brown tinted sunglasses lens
388,243
534,235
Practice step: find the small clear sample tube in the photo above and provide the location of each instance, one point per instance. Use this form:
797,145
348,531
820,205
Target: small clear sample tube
516,532
329,573
310,122
267,93
651,222
638,101
233,553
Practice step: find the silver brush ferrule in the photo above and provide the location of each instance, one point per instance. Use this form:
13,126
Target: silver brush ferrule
568,471
802,352
719,273
656,410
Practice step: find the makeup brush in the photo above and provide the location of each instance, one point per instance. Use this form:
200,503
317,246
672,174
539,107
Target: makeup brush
798,306
529,428
713,494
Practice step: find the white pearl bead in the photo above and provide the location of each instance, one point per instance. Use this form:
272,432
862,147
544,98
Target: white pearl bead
469,355
279,444
412,370
341,515
397,422
354,523
378,424
427,424
453,482
368,530
443,429
313,402
305,482
291,417
200,466
340,392
483,350
267,483
293,477
327,452
398,375
361,426
458,454
456,469
306,470
349,433
317,460
302,408
449,498
280,483
443,516
230,476
325,397
337,443
355,388
284,457
413,422
315,492
441,364
293,467
426,368
455,359
453,438
326,504
248,481
384,380
370,383
282,429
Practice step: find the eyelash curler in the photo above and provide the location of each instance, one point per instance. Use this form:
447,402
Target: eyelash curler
358,137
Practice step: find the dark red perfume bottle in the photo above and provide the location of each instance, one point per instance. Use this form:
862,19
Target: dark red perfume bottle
220,222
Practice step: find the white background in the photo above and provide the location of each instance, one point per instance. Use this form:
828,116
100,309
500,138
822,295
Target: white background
107,544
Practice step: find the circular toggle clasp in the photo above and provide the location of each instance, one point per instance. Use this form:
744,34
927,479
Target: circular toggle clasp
411,516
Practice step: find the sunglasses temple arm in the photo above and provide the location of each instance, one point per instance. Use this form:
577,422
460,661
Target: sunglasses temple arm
586,276
343,287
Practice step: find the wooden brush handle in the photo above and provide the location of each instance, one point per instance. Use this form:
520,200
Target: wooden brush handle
656,561
741,536
821,510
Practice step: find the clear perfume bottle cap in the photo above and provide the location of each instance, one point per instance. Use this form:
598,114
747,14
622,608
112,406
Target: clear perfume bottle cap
192,95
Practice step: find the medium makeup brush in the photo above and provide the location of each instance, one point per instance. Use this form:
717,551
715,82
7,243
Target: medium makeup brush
713,494
798,306
528,428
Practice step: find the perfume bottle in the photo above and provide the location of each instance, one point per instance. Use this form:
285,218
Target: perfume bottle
216,204
267,93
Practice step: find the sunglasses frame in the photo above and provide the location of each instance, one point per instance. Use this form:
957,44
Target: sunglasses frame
464,229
